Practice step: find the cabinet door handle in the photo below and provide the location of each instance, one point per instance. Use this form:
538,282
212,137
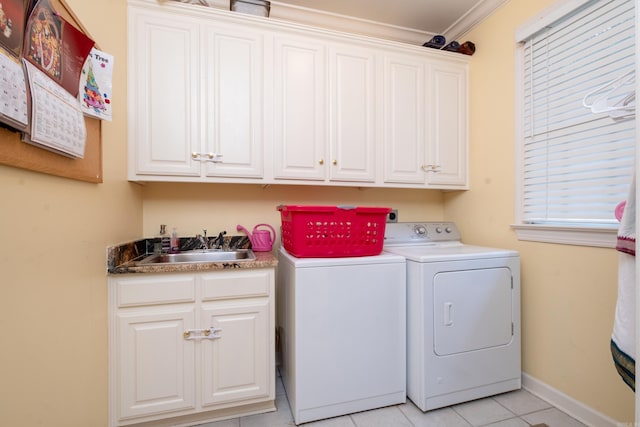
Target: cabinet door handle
214,157
207,157
335,162
202,334
321,161
431,168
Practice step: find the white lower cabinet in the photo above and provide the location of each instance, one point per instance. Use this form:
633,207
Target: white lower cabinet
156,368
243,345
190,344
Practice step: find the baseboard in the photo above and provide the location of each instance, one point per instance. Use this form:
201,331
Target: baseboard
565,403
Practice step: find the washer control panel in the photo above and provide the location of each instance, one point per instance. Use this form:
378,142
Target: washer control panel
420,233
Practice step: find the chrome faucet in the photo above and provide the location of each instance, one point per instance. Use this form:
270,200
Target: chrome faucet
203,240
219,241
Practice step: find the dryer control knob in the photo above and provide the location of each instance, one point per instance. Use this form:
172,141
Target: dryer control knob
419,229
438,230
448,230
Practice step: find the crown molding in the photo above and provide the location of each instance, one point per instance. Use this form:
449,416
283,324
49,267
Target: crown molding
348,24
472,18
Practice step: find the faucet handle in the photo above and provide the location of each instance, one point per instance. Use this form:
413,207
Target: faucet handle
205,232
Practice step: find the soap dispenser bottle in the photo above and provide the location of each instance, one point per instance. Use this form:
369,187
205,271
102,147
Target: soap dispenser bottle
175,242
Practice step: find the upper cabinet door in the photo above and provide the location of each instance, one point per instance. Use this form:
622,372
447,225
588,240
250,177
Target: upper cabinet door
448,154
405,117
352,89
164,95
233,121
299,103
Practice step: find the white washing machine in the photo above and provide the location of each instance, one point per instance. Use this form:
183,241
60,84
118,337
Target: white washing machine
342,326
463,315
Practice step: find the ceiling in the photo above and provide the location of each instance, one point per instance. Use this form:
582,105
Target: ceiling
426,16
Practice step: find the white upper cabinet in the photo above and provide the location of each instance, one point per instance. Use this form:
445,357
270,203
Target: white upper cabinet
164,94
217,96
299,105
352,106
324,106
233,103
196,97
405,119
425,122
447,161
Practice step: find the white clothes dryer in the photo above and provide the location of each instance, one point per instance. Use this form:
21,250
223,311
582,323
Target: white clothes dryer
463,315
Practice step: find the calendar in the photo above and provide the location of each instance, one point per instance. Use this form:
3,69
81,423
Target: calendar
57,122
13,93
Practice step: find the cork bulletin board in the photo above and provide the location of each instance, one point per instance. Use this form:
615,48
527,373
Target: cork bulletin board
15,152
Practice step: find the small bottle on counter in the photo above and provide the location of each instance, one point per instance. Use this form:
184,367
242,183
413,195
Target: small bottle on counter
175,242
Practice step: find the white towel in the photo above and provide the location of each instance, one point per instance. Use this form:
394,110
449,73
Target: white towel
623,336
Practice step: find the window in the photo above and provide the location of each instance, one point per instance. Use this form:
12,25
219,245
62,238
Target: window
576,141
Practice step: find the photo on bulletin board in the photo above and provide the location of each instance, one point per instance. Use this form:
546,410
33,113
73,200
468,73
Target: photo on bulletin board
56,47
12,17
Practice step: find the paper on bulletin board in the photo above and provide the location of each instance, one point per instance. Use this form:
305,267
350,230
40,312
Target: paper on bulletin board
96,81
57,122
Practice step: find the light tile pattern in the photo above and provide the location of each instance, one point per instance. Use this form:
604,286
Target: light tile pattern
514,409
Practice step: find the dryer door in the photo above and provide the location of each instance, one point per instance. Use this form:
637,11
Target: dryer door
472,310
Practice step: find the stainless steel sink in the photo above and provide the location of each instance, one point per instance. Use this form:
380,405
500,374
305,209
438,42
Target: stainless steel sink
200,256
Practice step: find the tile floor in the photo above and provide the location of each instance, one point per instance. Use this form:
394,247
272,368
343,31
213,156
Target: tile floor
515,409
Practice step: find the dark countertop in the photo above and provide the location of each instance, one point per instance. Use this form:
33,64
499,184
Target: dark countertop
124,258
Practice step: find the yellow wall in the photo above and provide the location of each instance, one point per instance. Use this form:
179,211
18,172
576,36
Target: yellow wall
193,207
53,304
568,292
53,309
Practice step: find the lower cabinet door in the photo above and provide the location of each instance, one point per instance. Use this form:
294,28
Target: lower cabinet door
156,364
235,366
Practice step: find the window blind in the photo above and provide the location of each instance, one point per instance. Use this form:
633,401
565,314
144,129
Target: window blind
578,164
